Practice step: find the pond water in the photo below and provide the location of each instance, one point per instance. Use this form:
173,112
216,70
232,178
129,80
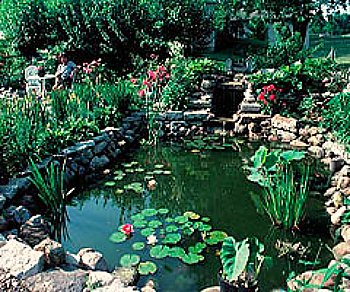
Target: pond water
210,183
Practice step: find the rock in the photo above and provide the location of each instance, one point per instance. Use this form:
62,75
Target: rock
99,279
72,260
57,280
34,230
313,278
341,249
314,141
100,147
313,131
174,115
2,201
285,136
283,123
343,182
3,223
21,215
336,164
9,283
345,171
55,254
338,200
115,286
202,115
212,289
92,259
336,217
330,192
250,107
316,151
99,162
20,260
331,210
149,287
128,276
299,144
2,240
345,232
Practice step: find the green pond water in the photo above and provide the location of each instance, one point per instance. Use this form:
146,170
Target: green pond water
210,183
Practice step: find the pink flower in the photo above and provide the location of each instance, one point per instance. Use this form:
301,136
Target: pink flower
261,96
141,92
280,90
152,75
272,97
271,87
265,102
133,80
167,76
153,56
127,229
146,82
162,68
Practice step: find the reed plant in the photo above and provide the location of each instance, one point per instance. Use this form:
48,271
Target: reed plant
285,183
50,184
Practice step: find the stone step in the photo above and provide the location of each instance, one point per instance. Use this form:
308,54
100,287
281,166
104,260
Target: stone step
250,107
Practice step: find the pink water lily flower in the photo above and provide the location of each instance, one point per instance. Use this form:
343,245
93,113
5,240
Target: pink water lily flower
127,229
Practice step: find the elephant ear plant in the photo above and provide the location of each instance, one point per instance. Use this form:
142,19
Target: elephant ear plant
241,264
285,183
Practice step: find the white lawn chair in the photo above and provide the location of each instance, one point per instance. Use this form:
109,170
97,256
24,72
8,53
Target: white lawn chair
33,83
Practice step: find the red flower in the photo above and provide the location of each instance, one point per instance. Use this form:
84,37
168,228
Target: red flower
141,92
153,56
265,102
127,229
280,90
146,82
167,75
284,103
162,68
152,75
261,96
133,80
272,97
271,87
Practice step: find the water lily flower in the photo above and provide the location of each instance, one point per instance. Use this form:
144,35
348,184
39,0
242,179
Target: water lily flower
127,229
152,239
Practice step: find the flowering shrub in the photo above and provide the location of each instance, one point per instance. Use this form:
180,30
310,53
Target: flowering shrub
269,98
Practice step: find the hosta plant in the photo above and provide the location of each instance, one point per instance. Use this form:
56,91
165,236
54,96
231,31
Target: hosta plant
241,263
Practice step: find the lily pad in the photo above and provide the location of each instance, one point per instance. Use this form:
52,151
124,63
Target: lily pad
129,170
148,177
140,223
147,268
163,211
154,224
169,220
172,238
192,258
215,237
171,228
137,217
110,183
159,251
188,231
205,228
206,219
147,232
176,252
119,191
149,212
167,172
181,219
187,224
129,260
159,166
158,171
119,177
127,165
135,186
117,237
119,172
197,248
191,215
138,246
139,170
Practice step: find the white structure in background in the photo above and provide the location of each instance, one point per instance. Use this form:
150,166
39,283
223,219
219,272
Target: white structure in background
33,84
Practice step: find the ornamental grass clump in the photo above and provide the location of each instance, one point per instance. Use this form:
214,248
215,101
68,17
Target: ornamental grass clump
285,183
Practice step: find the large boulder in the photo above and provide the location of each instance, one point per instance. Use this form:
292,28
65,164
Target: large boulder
341,249
92,259
34,230
55,254
58,280
283,123
20,260
10,283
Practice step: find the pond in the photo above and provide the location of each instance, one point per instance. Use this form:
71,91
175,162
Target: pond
210,183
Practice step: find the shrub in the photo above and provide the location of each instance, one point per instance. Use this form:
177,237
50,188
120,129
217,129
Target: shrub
285,185
337,116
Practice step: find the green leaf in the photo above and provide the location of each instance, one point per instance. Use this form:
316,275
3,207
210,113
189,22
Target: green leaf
154,224
176,252
129,260
181,219
149,212
110,183
191,215
163,211
137,217
172,238
159,166
147,268
159,251
169,220
206,219
171,228
188,231
138,246
204,228
292,155
140,224
117,237
215,237
147,232
259,157
192,258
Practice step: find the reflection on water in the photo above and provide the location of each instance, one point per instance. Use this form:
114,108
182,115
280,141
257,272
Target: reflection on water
212,184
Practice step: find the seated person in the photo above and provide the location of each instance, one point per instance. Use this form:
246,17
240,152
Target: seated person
64,73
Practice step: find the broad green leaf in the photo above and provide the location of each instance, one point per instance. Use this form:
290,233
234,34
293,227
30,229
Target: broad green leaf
159,251
137,217
172,238
171,228
147,232
163,211
149,212
138,246
117,237
147,268
129,260
154,224
181,219
140,224
110,183
292,155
